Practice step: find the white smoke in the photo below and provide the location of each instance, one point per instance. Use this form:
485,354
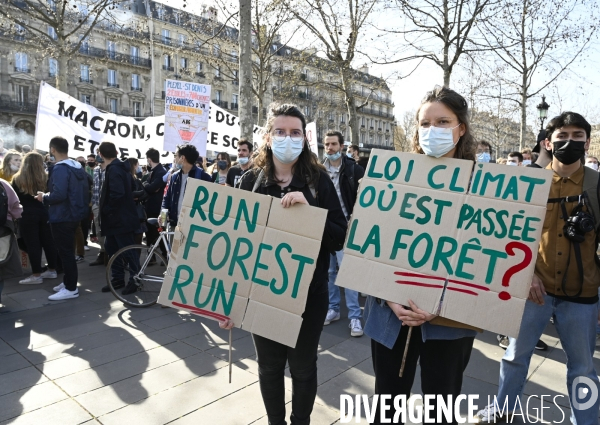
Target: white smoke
14,138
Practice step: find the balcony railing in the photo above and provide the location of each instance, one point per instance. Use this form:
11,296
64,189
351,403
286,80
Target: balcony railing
168,68
22,69
114,56
115,85
221,103
200,74
18,106
233,106
85,80
136,88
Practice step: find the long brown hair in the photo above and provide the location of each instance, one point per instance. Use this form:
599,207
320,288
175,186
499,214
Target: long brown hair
31,177
6,171
307,167
133,164
466,145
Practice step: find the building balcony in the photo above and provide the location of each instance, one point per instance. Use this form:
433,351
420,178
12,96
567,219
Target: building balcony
233,106
18,106
221,103
22,69
200,74
168,68
85,80
114,56
136,88
115,85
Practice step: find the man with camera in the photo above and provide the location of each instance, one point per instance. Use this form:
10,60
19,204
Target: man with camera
566,278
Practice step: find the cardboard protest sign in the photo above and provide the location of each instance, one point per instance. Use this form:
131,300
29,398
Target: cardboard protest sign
187,107
461,242
85,127
242,256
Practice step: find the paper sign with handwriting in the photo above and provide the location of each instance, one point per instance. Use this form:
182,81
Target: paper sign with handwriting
241,256
459,239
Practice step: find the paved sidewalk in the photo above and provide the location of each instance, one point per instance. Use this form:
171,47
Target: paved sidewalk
91,360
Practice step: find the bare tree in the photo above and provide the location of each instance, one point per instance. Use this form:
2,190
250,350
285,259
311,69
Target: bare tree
338,27
245,65
535,52
58,28
405,130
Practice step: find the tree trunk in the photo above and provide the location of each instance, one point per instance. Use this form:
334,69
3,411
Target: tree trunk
523,120
151,55
62,76
245,107
446,46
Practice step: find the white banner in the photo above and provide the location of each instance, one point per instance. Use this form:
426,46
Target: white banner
85,127
187,106
311,136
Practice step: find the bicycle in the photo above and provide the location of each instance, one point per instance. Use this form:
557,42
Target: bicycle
141,265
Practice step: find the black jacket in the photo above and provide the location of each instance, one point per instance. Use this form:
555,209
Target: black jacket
335,225
350,174
155,189
118,214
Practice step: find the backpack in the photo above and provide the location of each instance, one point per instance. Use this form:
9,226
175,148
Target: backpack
3,205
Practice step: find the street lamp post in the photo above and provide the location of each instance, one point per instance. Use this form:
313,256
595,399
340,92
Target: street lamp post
543,112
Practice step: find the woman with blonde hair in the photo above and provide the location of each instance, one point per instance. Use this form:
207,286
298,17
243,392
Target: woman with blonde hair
35,230
10,165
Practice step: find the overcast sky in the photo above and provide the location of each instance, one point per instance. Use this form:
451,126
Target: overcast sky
578,90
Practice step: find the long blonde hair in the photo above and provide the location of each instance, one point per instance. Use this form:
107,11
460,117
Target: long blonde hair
31,178
6,171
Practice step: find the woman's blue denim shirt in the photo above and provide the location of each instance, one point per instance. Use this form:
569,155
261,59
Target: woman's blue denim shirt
382,325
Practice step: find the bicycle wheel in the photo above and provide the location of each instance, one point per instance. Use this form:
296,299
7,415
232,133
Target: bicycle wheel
133,266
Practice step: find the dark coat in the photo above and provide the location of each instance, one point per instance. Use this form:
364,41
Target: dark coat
171,199
350,174
335,225
118,213
155,189
69,196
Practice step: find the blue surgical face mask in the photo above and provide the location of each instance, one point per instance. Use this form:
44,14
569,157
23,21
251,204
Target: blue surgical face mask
287,150
178,166
139,169
334,156
483,157
436,141
99,159
349,154
243,160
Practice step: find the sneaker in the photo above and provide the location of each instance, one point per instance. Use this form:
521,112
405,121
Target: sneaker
355,327
59,287
32,280
332,316
491,415
131,288
86,248
64,294
541,345
114,285
79,259
503,341
49,275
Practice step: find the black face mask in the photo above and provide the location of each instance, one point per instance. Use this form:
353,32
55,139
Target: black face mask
222,165
569,151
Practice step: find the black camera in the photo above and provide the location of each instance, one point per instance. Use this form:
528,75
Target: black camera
578,224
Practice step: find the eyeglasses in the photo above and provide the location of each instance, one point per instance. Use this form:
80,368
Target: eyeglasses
280,135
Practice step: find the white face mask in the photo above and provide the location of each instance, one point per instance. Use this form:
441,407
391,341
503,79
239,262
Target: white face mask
483,157
14,168
526,162
513,164
287,150
436,141
592,165
243,160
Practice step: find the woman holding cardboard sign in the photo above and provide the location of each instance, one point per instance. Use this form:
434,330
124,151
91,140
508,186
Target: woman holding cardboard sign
441,346
285,168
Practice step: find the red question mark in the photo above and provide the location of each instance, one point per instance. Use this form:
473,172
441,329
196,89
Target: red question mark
510,250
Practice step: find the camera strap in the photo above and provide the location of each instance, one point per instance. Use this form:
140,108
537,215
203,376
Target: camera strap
577,250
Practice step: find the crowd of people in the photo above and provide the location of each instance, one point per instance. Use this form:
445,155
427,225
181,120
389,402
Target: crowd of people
53,202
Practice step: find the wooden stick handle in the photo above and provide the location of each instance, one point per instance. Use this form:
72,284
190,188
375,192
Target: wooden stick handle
410,328
230,356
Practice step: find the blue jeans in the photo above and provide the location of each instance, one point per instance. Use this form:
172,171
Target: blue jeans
354,312
576,327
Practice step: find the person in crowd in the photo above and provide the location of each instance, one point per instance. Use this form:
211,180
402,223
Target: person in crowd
484,151
83,230
544,157
138,187
3,150
118,215
353,152
153,191
501,161
10,165
25,149
286,168
527,157
67,203
565,281
592,162
90,165
345,175
99,175
441,346
515,159
185,158
35,230
223,164
144,173
11,266
245,148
